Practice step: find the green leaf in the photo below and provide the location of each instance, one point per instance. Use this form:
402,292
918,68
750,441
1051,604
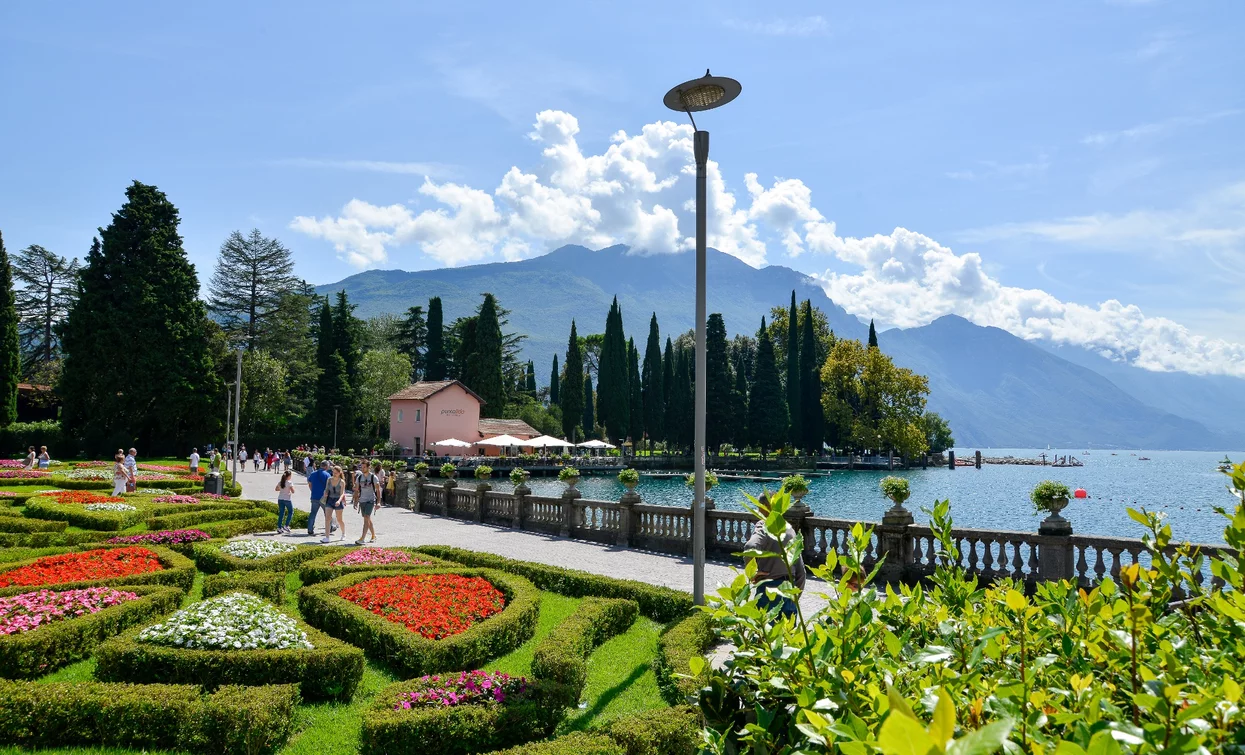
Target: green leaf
984,741
901,735
697,664
1069,748
1016,600
898,704
942,728
1103,743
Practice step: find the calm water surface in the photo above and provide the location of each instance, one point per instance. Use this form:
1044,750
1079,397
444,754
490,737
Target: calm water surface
1183,484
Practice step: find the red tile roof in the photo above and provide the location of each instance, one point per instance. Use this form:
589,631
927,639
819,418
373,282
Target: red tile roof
426,388
516,427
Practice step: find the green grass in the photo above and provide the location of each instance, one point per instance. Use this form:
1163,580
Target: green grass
620,678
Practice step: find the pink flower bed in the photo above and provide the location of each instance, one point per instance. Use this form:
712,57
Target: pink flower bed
92,464
212,497
175,499
164,468
7,494
21,474
31,610
12,463
373,556
163,537
467,688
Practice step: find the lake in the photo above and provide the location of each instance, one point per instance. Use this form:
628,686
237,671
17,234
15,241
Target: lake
1184,484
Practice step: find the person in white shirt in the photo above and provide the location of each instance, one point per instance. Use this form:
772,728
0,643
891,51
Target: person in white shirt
242,458
307,468
131,466
194,461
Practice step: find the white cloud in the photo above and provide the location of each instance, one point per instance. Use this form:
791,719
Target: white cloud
811,26
1107,138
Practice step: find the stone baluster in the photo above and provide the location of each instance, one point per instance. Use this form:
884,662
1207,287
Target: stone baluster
417,504
568,510
521,492
401,490
481,490
626,522
1055,557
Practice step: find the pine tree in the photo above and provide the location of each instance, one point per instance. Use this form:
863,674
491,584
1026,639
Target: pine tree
555,396
613,400
793,375
412,337
718,385
572,398
635,390
873,335
252,273
767,409
436,364
668,366
43,302
483,370
813,422
137,366
10,344
530,384
588,420
652,385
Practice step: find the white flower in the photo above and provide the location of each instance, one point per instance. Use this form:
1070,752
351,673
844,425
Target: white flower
236,621
256,549
109,507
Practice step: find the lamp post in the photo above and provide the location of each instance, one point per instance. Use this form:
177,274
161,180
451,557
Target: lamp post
693,96
237,413
335,407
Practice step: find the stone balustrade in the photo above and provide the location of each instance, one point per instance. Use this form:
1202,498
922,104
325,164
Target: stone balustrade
910,550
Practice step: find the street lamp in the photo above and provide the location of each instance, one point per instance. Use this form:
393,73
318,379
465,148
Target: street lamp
690,97
335,407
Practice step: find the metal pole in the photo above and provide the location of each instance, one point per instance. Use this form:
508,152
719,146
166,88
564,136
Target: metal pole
334,427
237,414
701,148
228,411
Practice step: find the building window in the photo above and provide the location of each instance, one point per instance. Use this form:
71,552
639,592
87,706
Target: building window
417,413
400,414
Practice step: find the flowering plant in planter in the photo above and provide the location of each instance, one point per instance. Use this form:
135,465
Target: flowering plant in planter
31,610
421,469
448,470
253,550
385,556
163,537
711,480
483,472
466,688
119,507
79,567
176,499
431,605
896,489
518,476
629,477
567,474
236,621
1049,497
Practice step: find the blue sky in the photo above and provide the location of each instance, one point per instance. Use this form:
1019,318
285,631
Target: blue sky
1067,170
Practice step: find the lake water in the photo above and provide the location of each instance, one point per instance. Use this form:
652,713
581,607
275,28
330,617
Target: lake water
1183,484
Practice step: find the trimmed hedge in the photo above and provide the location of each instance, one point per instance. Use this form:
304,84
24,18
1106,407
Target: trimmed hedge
661,604
254,720
663,731
561,657
22,524
409,654
577,743
178,572
268,585
211,559
187,519
676,646
77,515
233,528
52,539
27,655
331,670
322,569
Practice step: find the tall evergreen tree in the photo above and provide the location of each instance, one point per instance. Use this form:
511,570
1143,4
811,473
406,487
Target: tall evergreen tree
613,400
461,336
813,422
589,419
635,390
347,335
436,364
412,338
252,272
161,393
572,387
793,375
668,366
653,386
483,370
333,391
739,407
718,385
767,407
530,384
681,411
555,394
873,335
48,282
10,344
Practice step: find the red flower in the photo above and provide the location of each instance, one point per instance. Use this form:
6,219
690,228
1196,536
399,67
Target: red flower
432,605
81,567
81,497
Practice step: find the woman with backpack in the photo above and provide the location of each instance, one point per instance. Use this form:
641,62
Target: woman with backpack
366,492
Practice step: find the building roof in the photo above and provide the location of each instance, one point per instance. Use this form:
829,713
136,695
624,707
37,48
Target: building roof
426,388
515,427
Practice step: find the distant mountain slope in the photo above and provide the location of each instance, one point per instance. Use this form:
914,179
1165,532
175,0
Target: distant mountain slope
1000,390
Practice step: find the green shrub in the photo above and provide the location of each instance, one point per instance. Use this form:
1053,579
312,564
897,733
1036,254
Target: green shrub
796,483
567,474
331,670
410,654
664,731
561,657
323,569
1046,492
483,472
233,528
629,477
678,644
16,437
449,469
269,585
211,559
895,488
711,480
78,516
26,655
51,539
519,476
252,720
22,524
661,604
187,519
576,743
178,572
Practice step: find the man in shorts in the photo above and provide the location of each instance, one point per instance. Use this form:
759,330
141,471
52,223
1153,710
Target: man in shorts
317,481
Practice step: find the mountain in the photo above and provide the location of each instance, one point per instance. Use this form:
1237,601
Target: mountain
1002,391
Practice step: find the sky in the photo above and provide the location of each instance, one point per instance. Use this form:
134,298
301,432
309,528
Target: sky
1066,170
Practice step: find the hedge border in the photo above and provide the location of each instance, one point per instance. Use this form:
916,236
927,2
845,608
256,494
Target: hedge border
561,657
211,560
227,529
189,517
660,731
267,585
676,646
31,654
51,539
30,525
178,571
78,516
148,716
331,670
661,604
322,569
406,652
575,743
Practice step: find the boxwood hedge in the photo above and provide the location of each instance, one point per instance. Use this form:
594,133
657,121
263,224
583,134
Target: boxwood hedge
52,539
662,731
42,507
410,654
576,743
323,569
189,517
561,657
253,720
27,655
265,584
677,645
24,524
178,571
331,670
235,527
211,559
661,604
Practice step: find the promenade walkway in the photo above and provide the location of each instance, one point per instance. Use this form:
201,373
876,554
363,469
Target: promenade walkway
395,527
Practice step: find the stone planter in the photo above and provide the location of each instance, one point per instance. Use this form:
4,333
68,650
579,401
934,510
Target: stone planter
1055,523
570,483
483,487
630,486
897,514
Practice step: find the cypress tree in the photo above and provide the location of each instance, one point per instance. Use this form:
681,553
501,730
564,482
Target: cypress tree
682,412
412,336
813,424
159,393
346,335
667,391
588,420
793,374
635,390
873,335
329,385
767,409
483,369
739,407
652,385
555,398
613,400
437,366
718,385
10,345
530,383
572,398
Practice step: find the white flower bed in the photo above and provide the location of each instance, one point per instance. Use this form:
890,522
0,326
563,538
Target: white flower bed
236,621
109,507
154,491
253,550
87,474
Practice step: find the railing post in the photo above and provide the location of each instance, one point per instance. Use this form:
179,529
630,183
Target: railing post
1055,548
521,492
797,516
401,491
895,544
625,524
418,504
481,491
568,510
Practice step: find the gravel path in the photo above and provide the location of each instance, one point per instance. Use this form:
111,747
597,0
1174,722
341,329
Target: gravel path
396,526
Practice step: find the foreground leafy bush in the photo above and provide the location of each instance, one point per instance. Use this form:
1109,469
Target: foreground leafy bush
561,658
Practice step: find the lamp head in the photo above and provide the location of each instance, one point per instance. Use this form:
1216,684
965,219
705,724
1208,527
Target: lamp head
704,93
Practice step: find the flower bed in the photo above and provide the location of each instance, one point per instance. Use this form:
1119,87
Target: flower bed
269,585
78,515
31,610
12,463
75,497
162,537
377,556
236,621
79,567
154,491
256,549
205,496
466,688
109,507
409,652
22,474
434,606
251,555
339,561
176,498
165,468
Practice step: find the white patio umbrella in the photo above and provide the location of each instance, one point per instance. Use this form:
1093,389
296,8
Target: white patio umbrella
452,443
547,441
596,444
503,441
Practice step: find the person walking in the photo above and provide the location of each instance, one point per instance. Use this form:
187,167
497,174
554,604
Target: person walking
317,481
194,461
31,458
131,465
285,504
367,489
120,475
772,570
242,457
334,502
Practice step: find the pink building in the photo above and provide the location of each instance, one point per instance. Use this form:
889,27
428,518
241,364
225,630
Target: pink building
426,412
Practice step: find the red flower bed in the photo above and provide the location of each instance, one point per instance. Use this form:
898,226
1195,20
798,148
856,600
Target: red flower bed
81,567
432,605
82,497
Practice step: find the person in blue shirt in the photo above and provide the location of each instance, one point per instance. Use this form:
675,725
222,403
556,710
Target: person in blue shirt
317,481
